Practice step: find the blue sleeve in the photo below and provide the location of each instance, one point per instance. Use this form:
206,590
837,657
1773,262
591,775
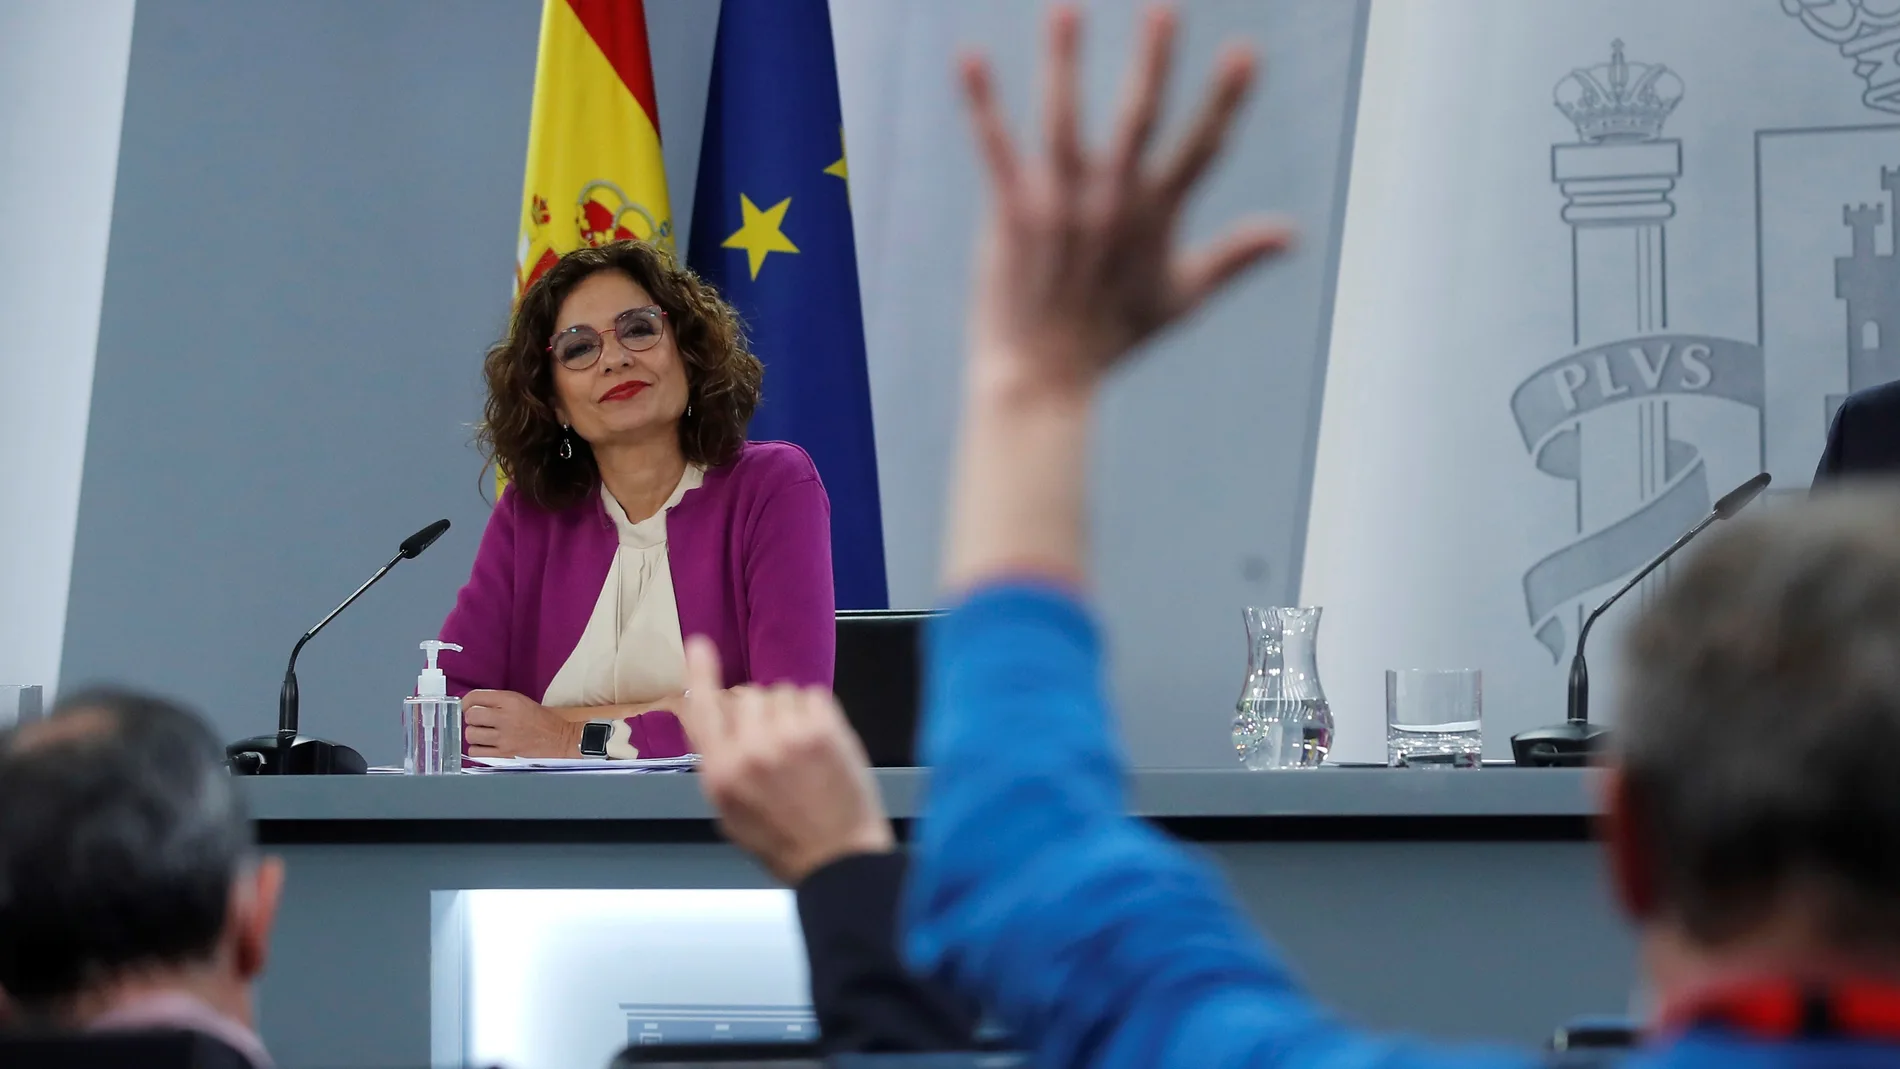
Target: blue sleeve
1094,939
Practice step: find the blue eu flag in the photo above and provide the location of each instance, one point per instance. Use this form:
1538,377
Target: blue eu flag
772,229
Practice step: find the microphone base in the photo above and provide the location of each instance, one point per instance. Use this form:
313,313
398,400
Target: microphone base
257,756
1570,744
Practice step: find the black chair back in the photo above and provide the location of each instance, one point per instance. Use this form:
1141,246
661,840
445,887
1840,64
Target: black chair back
879,680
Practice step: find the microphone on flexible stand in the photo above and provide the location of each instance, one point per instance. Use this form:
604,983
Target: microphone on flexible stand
285,753
1573,741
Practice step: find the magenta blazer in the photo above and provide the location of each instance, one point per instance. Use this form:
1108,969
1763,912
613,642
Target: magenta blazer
750,551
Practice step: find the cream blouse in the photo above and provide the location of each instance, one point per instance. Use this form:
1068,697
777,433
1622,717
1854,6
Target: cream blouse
631,650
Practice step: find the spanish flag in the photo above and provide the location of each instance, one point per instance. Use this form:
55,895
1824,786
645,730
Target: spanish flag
595,173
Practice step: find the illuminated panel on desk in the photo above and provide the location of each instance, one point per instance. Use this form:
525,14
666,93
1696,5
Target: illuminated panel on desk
719,1024
553,979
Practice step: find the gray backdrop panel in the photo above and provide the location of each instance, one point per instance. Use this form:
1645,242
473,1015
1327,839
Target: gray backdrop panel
1206,445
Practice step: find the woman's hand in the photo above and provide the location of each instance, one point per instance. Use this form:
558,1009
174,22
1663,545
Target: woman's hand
502,723
1079,264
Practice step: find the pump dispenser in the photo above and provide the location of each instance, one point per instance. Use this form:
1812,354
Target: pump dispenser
432,683
432,721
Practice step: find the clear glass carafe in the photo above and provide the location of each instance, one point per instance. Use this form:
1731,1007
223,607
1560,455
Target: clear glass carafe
1282,719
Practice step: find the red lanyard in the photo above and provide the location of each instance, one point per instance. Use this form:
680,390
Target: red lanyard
1792,1009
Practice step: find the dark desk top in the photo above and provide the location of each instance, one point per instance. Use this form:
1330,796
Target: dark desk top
1200,804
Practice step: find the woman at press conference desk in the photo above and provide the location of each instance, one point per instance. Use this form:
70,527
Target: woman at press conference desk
635,513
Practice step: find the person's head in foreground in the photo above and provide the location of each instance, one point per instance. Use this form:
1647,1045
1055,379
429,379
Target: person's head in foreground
131,893
1754,812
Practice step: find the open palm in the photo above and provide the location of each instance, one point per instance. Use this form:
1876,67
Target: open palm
1080,263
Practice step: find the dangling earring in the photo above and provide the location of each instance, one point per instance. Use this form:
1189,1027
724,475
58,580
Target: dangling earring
689,410
567,443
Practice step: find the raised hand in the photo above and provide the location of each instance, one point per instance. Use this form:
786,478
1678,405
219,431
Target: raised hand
1080,263
783,768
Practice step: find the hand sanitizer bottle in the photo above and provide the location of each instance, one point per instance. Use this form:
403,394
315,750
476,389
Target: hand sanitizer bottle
432,721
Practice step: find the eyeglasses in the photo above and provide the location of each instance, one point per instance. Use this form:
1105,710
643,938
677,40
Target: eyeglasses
638,329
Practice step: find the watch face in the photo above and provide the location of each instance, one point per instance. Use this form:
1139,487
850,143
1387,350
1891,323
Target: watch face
594,738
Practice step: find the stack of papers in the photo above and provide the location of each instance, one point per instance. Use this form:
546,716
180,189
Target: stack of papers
491,765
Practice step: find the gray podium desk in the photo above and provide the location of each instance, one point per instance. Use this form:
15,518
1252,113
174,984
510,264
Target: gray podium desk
1449,904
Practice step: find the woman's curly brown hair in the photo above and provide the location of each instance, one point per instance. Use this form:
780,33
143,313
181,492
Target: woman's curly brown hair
520,433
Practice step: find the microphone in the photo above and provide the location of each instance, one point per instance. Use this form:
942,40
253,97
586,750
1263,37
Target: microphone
413,546
286,754
1571,742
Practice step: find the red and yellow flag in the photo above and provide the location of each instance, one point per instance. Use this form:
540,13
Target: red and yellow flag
595,173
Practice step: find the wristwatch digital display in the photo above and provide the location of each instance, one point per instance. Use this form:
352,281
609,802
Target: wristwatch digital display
594,737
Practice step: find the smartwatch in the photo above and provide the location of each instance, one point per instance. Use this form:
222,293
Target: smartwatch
594,735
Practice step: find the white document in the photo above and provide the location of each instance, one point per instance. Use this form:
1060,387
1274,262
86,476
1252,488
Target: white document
489,765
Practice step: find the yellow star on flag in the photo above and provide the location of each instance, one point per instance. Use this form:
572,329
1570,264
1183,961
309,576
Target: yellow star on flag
837,170
760,233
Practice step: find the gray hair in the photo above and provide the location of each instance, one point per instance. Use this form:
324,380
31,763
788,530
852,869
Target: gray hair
1760,729
119,842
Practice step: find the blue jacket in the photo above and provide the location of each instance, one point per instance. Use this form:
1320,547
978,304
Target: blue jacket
1095,940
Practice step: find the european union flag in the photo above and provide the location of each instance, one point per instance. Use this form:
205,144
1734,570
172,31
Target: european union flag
772,229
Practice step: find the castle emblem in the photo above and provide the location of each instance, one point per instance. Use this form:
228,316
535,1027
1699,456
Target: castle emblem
1868,283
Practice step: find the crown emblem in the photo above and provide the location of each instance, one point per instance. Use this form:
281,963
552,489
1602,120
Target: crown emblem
1619,100
1868,34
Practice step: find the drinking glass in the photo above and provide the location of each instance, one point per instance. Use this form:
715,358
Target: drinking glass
1434,718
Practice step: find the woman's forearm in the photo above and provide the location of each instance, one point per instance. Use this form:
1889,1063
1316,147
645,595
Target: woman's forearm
662,736
580,714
